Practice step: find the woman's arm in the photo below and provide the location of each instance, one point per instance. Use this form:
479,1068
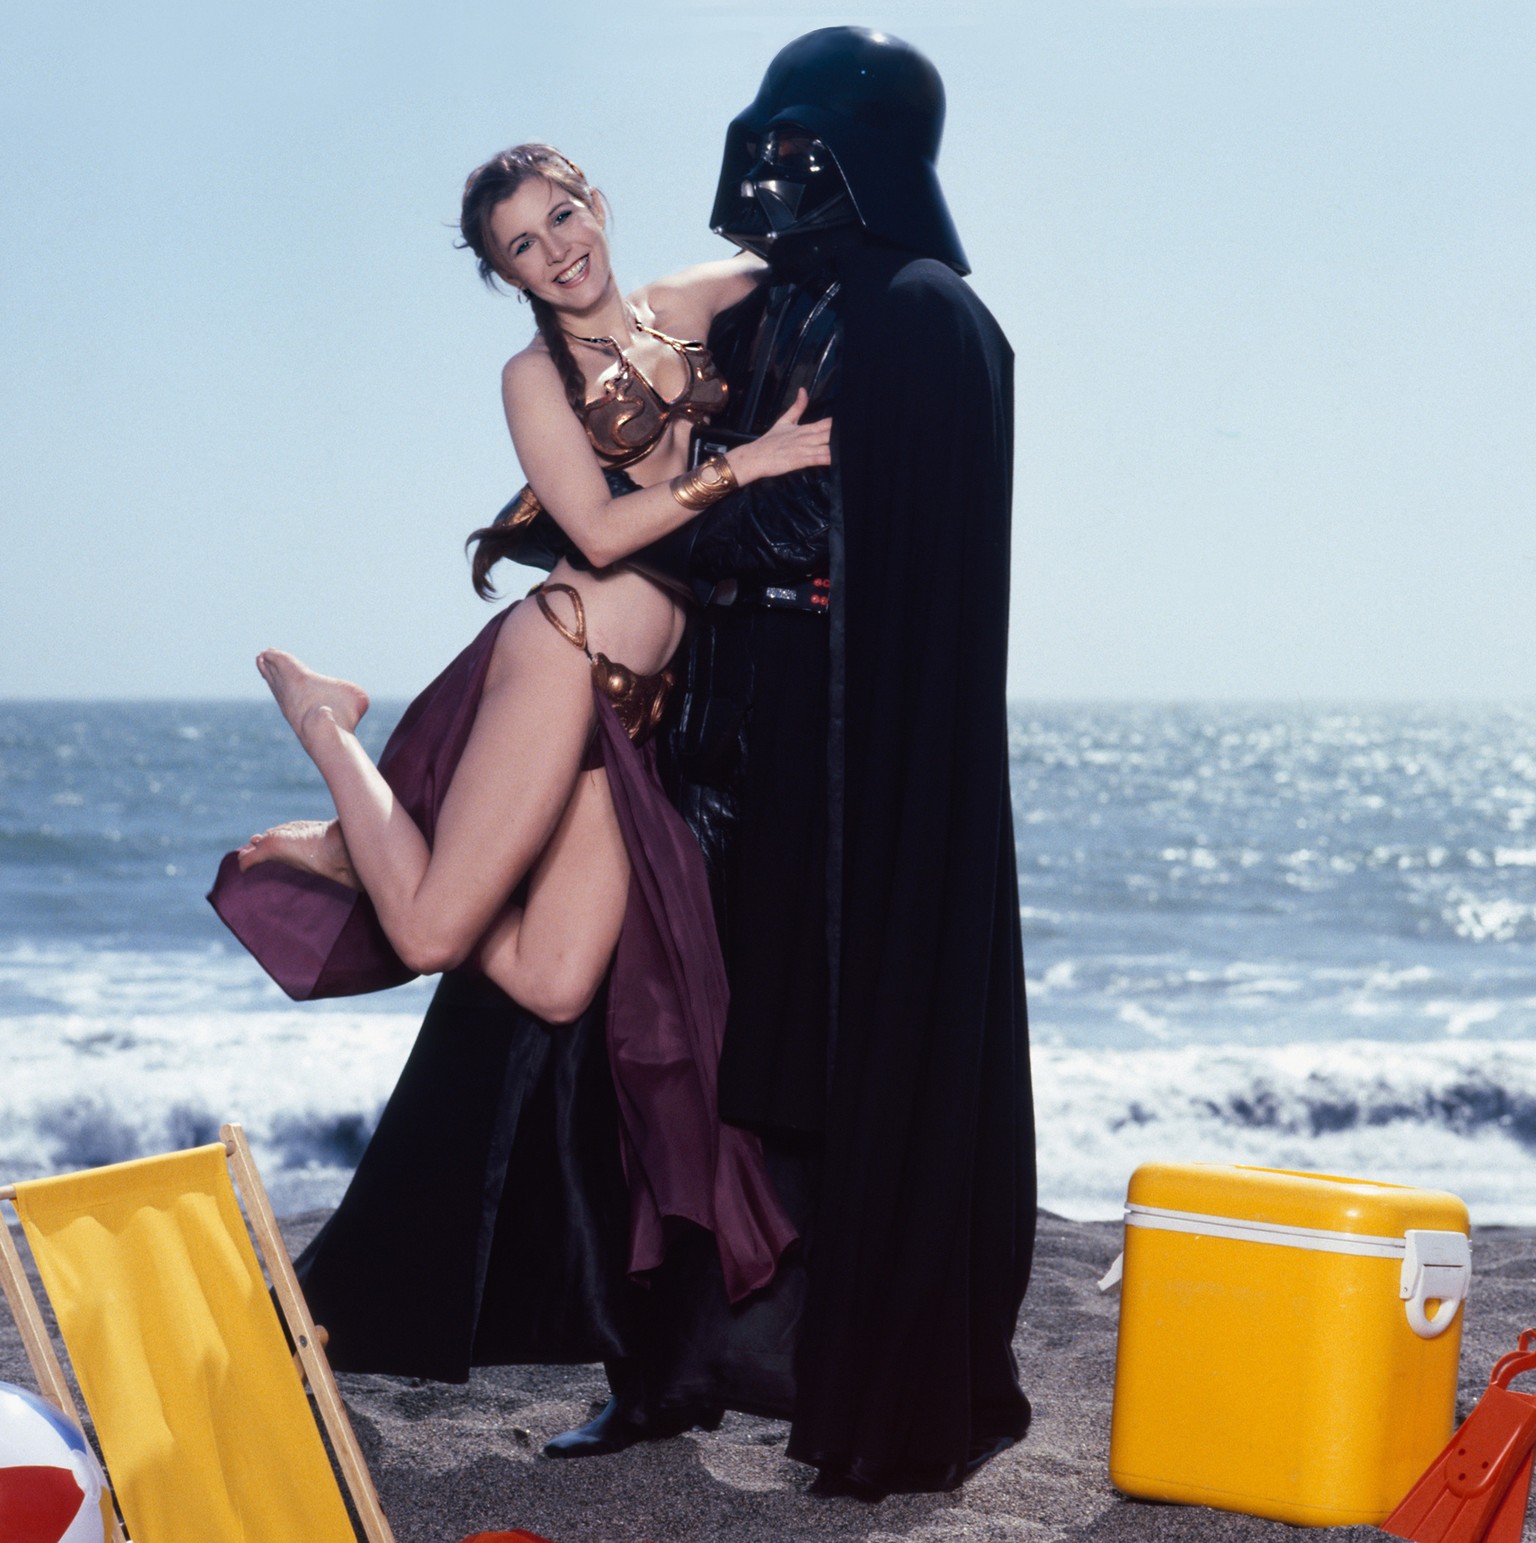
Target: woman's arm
686,303
557,459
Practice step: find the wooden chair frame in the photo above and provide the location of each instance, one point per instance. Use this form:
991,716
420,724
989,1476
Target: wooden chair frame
273,1253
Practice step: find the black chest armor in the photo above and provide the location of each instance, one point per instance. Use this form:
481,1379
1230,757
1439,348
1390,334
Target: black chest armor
772,344
781,338
743,750
774,532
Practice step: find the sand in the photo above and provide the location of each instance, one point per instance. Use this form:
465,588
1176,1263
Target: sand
450,1461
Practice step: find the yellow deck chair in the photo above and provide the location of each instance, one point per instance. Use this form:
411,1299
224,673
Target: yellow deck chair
200,1412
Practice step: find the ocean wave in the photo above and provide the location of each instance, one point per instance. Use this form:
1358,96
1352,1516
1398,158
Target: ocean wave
1494,919
1453,1117
109,984
1084,991
1458,1115
307,1083
323,1141
85,1133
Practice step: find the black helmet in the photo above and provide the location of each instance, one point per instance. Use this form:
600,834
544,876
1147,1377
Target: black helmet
877,105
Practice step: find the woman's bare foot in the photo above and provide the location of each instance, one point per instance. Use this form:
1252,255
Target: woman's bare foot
301,693
315,846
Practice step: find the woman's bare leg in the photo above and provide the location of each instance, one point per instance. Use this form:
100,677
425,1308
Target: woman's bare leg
510,787
551,955
512,783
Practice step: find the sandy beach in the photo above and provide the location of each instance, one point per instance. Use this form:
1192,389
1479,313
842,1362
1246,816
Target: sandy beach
450,1461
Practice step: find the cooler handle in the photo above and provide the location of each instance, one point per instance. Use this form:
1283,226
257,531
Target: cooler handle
1437,1267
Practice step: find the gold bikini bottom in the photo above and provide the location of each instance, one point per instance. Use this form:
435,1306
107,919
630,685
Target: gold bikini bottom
638,700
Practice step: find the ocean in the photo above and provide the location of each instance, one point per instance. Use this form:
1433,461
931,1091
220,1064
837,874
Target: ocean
1295,936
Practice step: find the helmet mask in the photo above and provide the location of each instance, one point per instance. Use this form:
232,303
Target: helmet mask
874,106
793,202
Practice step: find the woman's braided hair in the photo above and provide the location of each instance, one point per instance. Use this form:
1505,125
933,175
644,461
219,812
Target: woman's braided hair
486,187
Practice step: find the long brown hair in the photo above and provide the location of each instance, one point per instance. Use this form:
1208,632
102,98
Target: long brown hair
486,187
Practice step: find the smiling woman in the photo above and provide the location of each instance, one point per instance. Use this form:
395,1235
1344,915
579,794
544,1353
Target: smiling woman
537,224
513,837
559,224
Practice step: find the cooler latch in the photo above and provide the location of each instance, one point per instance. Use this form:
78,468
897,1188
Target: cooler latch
1437,1267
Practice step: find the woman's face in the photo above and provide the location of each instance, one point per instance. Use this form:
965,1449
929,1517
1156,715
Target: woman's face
552,244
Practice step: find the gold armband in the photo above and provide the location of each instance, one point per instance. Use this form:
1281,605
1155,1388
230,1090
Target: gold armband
520,512
706,484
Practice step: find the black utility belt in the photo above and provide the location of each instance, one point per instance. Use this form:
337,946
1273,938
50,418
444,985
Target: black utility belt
813,595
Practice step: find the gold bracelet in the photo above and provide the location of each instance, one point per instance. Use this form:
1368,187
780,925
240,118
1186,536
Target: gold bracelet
707,484
521,511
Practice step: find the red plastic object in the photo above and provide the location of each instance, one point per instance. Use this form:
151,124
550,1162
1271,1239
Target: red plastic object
37,1503
1477,1489
505,1537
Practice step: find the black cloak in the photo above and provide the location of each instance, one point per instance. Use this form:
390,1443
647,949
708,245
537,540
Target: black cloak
487,1221
922,1246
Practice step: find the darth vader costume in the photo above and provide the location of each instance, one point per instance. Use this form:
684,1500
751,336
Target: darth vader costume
839,747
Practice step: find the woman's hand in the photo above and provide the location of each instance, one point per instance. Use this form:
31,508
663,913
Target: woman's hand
788,446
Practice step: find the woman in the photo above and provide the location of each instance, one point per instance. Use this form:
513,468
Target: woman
533,221
521,805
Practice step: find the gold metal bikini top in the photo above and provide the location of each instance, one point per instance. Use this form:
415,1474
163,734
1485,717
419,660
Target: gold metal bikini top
638,700
628,420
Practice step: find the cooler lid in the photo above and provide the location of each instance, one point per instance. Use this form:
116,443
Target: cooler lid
1282,1197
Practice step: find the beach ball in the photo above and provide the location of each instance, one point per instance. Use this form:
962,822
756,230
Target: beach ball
51,1486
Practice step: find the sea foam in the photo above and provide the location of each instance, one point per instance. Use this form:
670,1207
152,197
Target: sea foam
1443,1116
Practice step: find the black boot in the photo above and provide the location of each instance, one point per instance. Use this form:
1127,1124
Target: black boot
618,1427
832,1484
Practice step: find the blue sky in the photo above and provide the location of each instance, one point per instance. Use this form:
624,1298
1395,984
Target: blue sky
1266,268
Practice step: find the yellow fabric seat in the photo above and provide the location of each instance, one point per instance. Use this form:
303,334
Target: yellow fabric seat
202,1417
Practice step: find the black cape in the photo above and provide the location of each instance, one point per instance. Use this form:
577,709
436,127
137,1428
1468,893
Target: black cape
487,1222
925,1228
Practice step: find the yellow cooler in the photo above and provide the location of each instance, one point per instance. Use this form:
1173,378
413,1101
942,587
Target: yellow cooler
1288,1341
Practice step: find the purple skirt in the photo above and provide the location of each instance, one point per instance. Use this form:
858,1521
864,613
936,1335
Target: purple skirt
667,992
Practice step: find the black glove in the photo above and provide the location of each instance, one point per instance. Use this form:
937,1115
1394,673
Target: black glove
775,528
